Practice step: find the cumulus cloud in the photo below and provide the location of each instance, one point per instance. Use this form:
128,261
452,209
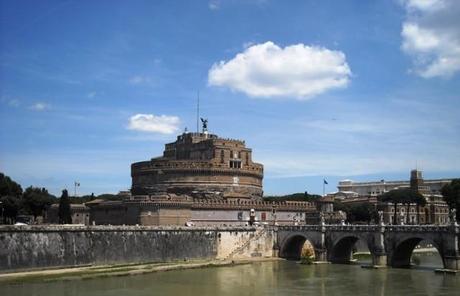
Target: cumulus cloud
267,70
139,79
431,36
214,4
162,124
92,95
39,106
14,103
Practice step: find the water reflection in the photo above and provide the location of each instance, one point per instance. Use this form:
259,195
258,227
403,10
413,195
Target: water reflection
269,278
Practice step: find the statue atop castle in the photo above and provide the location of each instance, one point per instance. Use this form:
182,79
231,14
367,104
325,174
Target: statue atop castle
204,122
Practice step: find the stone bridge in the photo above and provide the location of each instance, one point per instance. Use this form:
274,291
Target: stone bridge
389,245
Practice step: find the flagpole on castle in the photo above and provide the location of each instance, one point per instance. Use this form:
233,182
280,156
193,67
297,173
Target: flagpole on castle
75,188
324,186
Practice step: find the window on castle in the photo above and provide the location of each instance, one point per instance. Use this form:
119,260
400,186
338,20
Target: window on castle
235,164
222,156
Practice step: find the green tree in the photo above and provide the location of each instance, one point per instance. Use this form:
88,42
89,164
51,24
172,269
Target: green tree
359,212
9,208
8,187
451,195
292,197
35,201
65,215
10,198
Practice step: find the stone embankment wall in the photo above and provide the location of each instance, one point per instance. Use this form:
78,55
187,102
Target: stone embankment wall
28,247
240,245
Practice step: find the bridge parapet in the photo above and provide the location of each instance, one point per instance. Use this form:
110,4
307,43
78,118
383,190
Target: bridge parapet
418,228
353,228
299,228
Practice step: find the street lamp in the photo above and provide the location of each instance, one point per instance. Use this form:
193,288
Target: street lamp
1,204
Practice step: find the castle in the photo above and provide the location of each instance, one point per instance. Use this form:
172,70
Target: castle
201,179
201,165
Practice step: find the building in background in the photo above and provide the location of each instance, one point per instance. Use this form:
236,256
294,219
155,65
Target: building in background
79,214
435,211
348,188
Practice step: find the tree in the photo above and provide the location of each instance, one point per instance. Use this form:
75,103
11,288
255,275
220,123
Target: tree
65,215
8,187
9,208
451,195
404,196
292,197
359,212
10,198
35,201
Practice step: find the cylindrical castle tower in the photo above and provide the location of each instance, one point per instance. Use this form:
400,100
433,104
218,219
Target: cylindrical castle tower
200,165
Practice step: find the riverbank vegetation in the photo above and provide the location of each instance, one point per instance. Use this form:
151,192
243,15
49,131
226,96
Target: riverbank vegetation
451,194
293,197
307,254
16,203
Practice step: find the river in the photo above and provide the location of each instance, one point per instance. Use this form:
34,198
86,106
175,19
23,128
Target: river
263,278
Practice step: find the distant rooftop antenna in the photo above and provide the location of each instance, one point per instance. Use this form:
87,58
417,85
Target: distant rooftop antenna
198,112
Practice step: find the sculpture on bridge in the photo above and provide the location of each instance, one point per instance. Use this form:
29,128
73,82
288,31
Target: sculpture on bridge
381,222
321,218
453,216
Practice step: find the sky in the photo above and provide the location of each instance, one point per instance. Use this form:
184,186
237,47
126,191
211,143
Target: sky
361,90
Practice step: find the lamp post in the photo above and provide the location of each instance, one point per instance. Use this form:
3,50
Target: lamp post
1,205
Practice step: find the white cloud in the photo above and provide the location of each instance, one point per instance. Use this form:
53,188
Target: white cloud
92,95
424,4
267,70
39,106
162,124
214,4
431,36
139,79
14,103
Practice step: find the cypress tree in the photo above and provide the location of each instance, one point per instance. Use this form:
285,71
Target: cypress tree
65,216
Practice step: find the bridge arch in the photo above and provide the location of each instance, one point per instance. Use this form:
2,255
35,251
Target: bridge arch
404,248
291,246
341,249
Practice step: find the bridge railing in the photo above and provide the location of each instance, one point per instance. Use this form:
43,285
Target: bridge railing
367,228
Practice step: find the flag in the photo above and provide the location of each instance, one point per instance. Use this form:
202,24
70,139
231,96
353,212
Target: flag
325,182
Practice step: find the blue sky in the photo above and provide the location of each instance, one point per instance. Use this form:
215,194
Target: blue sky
365,90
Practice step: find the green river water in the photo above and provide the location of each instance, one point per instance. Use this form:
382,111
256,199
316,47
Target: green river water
264,278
